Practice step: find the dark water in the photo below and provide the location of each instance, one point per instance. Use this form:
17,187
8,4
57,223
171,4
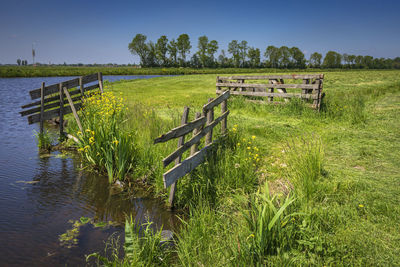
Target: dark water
34,214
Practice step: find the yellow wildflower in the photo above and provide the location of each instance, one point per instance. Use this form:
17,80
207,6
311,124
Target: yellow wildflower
88,130
361,206
115,142
79,132
253,137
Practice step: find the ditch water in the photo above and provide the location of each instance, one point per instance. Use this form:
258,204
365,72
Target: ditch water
40,194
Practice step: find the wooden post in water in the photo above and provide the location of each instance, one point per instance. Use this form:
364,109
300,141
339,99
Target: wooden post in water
100,78
81,86
181,141
71,104
210,118
42,107
61,115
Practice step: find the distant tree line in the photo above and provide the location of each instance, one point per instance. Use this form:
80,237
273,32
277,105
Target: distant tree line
175,53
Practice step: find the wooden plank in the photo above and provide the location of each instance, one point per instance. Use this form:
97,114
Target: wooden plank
181,141
51,114
224,124
224,96
181,130
267,77
265,86
71,104
52,89
283,95
100,78
185,167
57,97
41,107
90,78
62,110
194,140
81,87
210,118
193,148
46,107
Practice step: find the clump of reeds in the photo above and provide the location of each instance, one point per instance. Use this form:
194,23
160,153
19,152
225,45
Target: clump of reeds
104,141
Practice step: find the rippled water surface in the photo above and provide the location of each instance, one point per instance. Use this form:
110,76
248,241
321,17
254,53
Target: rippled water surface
39,194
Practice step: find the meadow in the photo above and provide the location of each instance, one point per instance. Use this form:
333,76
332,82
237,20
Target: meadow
287,186
48,71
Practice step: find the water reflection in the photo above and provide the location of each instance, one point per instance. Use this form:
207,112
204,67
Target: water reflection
39,194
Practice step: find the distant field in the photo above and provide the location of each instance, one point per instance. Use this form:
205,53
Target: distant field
354,213
46,71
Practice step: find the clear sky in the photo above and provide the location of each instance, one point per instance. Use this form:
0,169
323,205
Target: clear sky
99,31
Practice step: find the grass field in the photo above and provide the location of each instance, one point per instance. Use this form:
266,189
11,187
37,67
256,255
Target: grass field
46,71
338,171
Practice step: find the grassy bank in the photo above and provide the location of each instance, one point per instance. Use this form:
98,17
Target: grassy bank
325,190
46,71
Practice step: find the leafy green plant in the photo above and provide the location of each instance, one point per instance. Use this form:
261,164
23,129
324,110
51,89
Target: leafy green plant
43,140
265,220
105,143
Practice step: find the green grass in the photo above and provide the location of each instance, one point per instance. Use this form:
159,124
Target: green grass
341,165
45,71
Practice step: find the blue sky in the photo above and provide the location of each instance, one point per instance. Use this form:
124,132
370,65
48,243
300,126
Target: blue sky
99,31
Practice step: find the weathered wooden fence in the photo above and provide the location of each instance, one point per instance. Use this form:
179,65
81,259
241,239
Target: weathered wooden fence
311,86
201,126
59,99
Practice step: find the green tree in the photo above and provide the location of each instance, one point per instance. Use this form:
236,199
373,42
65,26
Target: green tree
19,62
272,56
212,48
139,47
243,52
332,60
298,59
161,50
315,60
254,57
202,52
223,60
284,57
234,49
173,52
184,46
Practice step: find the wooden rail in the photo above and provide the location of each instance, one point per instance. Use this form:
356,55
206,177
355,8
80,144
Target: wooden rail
59,99
201,126
311,87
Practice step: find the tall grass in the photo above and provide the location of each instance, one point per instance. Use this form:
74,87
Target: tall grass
266,220
305,159
43,140
105,143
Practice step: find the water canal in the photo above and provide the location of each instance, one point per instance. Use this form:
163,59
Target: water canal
40,194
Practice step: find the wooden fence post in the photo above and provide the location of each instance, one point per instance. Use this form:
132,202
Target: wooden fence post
100,78
224,123
81,87
304,92
42,107
270,90
61,115
71,104
181,141
193,148
210,118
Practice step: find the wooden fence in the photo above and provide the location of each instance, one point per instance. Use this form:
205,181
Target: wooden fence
59,99
311,86
201,126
